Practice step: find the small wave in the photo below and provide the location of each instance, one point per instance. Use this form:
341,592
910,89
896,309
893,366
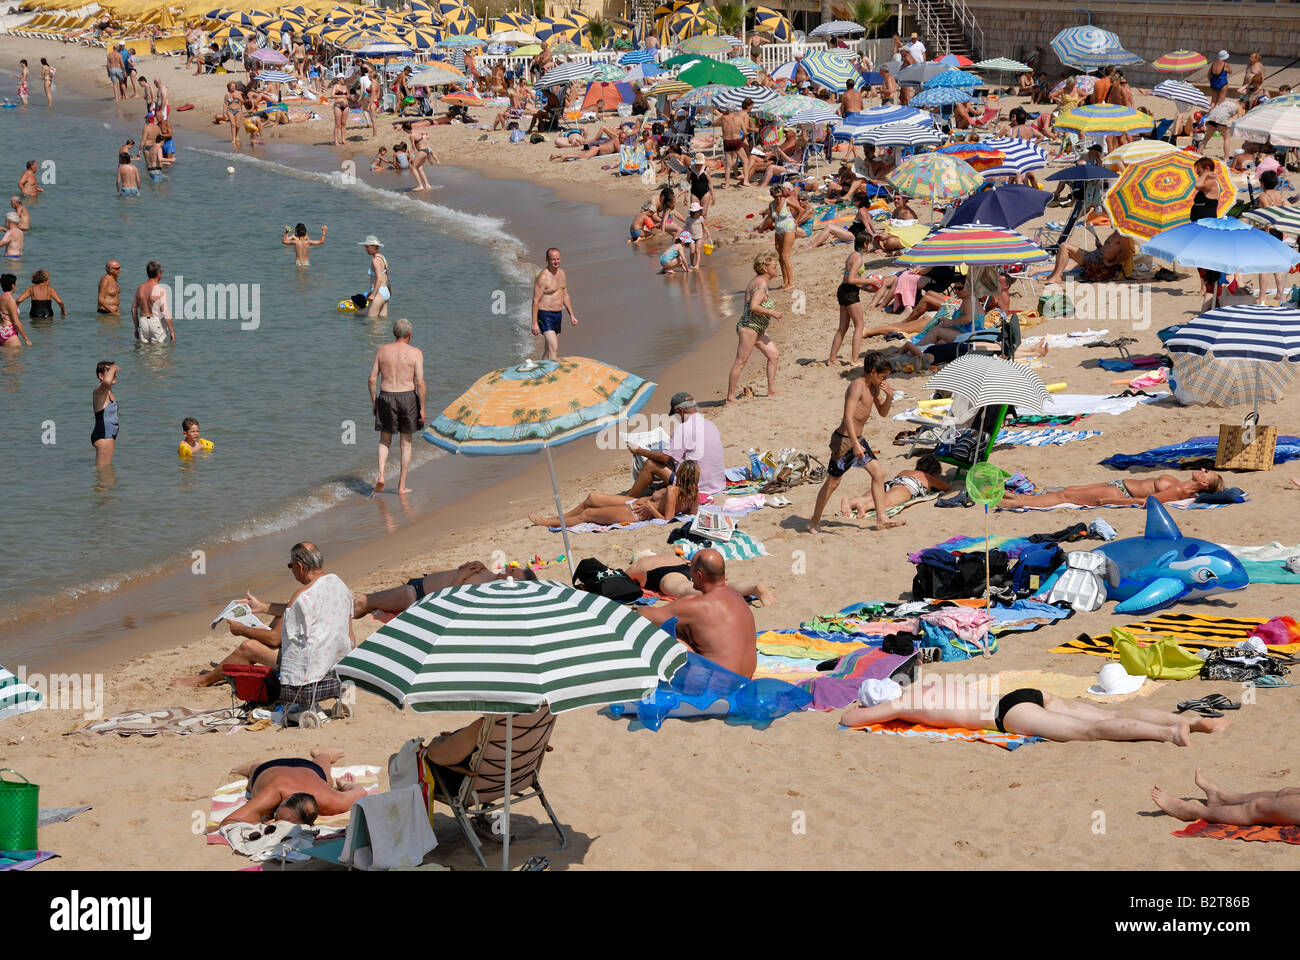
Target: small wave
471,227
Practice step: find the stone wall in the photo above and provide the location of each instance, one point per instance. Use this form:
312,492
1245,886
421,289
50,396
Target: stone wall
1147,29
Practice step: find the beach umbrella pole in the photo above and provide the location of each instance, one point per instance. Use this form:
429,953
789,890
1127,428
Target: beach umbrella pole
510,739
559,511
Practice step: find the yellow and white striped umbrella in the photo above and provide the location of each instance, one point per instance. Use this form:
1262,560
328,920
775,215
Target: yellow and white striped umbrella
1135,152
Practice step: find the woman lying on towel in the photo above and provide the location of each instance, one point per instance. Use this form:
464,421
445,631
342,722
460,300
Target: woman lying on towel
682,495
908,485
1165,488
1028,712
1271,808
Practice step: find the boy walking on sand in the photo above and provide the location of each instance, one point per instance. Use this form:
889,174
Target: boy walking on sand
849,449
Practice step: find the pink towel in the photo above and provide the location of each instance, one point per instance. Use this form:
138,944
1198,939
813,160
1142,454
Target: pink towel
905,289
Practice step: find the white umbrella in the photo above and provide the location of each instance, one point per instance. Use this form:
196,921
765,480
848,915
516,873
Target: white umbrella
985,380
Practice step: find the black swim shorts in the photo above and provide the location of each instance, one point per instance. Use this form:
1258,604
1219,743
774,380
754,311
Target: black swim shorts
842,459
1014,698
848,294
398,413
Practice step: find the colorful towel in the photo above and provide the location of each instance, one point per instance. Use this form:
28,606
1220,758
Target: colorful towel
605,528
1189,630
1192,452
150,723
836,689
1227,831
1188,504
788,669
7,861
1042,438
230,798
894,511
1007,741
802,645
1267,564
741,546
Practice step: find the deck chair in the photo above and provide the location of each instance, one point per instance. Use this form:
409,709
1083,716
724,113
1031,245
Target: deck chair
675,167
987,118
1162,129
969,449
1006,337
483,788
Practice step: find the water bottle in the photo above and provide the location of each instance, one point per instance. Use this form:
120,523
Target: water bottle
755,465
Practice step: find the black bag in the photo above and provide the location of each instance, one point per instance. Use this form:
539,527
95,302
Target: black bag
536,138
959,576
1217,667
594,577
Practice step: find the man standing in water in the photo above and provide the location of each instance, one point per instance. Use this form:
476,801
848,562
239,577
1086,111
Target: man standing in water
550,300
301,243
149,309
27,182
24,216
399,406
108,297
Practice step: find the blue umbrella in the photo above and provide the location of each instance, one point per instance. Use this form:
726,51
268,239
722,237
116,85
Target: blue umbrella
1008,206
878,116
1223,244
1083,171
637,56
869,78
953,78
940,97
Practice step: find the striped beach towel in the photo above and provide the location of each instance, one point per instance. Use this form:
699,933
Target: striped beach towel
1043,438
1191,631
1007,741
741,546
16,696
894,511
230,798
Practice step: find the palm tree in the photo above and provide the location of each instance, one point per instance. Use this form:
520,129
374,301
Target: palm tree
599,31
731,17
869,14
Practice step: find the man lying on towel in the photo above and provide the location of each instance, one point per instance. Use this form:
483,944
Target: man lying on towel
1166,488
295,790
1271,808
670,575
1028,712
716,623
397,599
907,485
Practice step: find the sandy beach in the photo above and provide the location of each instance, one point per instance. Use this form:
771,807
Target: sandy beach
801,794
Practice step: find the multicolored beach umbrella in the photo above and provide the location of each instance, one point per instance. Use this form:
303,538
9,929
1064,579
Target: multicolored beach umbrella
731,98
669,86
782,108
1135,151
935,177
1089,47
1180,91
513,21
1083,84
1283,219
1154,195
1277,121
608,71
276,76
973,244
979,156
769,20
1180,61
701,96
704,45
940,97
1110,119
831,70
463,98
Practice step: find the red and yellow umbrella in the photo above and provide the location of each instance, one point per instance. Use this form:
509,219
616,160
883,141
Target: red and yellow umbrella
1180,61
1153,195
981,158
464,99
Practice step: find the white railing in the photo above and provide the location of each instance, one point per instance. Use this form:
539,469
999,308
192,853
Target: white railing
774,54
970,26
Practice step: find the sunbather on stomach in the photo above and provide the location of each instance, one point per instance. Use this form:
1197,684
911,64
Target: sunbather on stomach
680,496
907,485
1165,488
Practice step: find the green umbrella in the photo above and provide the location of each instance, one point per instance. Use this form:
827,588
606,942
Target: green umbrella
680,60
708,72
608,71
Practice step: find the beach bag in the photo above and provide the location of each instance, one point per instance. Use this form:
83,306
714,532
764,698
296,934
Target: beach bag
711,522
536,138
949,576
19,809
631,160
1035,564
1052,305
594,577
1162,660
516,136
254,682
1241,666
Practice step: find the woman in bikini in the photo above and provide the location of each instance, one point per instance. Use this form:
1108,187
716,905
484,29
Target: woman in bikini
751,328
682,495
907,485
379,292
421,155
234,103
47,79
339,100
1125,492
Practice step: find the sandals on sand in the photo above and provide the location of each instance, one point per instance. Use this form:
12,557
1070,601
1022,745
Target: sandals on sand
1211,705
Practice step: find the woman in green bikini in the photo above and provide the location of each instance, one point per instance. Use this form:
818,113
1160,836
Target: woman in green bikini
751,329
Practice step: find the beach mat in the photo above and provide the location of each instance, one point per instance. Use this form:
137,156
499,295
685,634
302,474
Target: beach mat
633,525
901,728
837,688
1227,831
230,797
1042,438
1191,631
895,511
1191,452
49,815
7,861
741,546
150,723
786,669
809,644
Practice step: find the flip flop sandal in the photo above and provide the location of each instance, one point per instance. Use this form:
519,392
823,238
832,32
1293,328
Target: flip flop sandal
1218,701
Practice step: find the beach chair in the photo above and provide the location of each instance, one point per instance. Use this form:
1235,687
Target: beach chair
1161,131
1006,337
987,118
484,787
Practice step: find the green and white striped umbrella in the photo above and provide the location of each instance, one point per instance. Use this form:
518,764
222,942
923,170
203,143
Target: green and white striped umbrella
508,646
1284,219
16,696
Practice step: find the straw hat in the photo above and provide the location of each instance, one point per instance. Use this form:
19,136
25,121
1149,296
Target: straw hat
370,241
698,161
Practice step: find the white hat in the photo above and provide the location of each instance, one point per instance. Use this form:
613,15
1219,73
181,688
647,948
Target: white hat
1114,679
1223,54
685,237
874,692
370,241
698,160
695,205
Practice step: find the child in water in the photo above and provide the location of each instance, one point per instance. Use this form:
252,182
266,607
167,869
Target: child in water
381,160
192,443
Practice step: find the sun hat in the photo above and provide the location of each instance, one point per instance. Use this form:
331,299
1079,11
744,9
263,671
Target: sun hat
1223,55
370,241
685,237
680,399
1114,679
698,161
695,205
874,692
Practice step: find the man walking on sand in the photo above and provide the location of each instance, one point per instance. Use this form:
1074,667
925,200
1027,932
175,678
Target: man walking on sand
849,449
399,405
550,300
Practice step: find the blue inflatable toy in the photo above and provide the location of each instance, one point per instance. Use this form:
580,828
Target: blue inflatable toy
1163,567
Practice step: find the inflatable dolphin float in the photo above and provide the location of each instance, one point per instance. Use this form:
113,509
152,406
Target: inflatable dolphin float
1163,567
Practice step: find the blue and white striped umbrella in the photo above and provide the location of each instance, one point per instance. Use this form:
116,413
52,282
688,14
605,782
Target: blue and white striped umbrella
566,73
785,71
940,97
886,113
1021,156
734,41
637,56
1180,91
837,28
275,76
1245,331
833,71
953,78
891,135
1089,47
731,98
812,116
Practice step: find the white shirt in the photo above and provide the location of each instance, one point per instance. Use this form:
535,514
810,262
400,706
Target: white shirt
316,632
918,50
698,439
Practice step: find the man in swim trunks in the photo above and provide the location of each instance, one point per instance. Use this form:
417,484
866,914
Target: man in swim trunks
108,297
550,300
399,405
1123,492
397,599
149,309
12,238
24,216
301,243
1031,713
735,127
669,574
295,790
128,177
116,73
717,624
848,449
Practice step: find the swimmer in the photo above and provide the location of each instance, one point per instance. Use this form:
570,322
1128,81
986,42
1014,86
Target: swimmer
301,243
192,443
108,297
20,208
12,238
41,294
128,177
149,309
11,328
27,182
153,161
104,404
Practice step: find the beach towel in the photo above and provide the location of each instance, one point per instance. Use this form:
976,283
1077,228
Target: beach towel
150,723
1060,404
741,546
788,669
16,696
1227,831
1192,453
895,511
1061,341
9,859
1007,741
230,797
1187,504
633,525
1267,564
49,815
1042,438
1189,630
806,645
837,688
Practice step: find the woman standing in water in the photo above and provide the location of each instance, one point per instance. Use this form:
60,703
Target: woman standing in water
42,295
379,292
421,155
104,404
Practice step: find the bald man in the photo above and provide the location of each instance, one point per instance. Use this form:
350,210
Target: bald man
670,575
717,623
109,297
295,790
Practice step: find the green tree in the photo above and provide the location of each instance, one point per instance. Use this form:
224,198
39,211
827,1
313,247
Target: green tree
731,17
869,14
600,31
